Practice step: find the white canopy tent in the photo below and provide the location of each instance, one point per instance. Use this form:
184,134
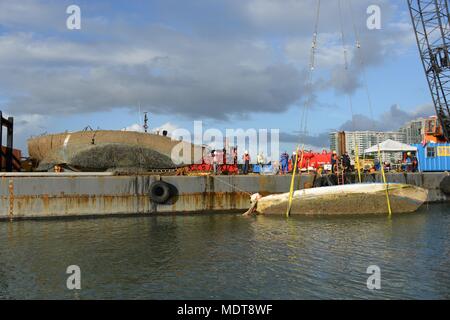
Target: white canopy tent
391,146
391,150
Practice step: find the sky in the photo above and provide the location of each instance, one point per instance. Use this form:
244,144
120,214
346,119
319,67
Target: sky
229,63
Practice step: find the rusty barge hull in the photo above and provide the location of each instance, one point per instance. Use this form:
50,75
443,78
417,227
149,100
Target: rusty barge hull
49,195
70,195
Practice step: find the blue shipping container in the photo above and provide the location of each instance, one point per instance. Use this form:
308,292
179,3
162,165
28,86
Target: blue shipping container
433,156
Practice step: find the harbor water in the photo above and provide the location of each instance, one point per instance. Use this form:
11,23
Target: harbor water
227,256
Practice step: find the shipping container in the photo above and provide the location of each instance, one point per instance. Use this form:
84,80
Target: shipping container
433,156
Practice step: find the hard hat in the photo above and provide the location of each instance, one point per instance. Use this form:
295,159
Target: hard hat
409,153
246,152
334,151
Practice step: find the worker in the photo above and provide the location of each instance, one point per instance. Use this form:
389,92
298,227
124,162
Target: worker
387,166
319,171
294,156
260,159
409,162
215,161
284,163
346,162
415,163
246,158
333,162
377,165
235,156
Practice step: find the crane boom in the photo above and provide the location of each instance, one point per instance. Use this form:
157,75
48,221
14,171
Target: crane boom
430,19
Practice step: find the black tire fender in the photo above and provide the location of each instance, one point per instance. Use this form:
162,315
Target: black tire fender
160,192
445,185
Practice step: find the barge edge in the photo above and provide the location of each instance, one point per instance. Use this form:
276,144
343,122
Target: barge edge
53,195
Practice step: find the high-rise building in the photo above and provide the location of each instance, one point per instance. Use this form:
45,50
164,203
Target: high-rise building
365,140
413,131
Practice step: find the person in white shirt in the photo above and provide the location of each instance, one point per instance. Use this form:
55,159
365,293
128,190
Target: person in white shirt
260,159
215,162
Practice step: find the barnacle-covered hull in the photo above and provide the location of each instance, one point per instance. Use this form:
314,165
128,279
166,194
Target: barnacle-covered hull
344,200
105,149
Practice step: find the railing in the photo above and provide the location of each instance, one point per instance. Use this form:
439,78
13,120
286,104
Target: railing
8,161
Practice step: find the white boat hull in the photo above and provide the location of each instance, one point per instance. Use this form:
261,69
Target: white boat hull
343,200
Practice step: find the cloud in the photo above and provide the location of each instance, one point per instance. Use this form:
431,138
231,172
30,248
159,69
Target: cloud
168,126
196,79
134,127
314,142
25,126
30,14
201,70
375,46
390,120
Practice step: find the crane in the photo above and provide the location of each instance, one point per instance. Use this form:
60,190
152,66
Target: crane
430,19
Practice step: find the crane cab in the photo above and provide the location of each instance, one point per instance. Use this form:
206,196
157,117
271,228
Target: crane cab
433,131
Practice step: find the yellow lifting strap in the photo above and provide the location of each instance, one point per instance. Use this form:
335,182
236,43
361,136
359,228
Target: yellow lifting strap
358,167
291,190
385,182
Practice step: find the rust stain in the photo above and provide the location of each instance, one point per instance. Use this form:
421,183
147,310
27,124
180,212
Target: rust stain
264,184
11,199
76,205
45,202
196,202
307,185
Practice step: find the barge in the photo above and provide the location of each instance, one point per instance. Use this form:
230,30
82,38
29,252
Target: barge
44,195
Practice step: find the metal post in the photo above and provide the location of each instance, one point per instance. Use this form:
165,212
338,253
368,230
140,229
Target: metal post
1,141
9,145
145,122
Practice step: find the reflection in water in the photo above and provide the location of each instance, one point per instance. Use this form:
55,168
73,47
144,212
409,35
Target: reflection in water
229,257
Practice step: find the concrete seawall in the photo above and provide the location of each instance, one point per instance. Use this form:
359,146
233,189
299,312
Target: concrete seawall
64,194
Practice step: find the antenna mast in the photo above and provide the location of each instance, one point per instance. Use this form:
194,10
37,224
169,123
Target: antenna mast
145,121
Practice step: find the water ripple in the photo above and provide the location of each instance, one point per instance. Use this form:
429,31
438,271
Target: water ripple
229,257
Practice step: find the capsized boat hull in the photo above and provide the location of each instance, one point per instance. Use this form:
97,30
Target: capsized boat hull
345,199
134,149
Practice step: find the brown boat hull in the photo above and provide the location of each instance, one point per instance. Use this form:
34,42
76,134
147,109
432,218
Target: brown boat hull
64,147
